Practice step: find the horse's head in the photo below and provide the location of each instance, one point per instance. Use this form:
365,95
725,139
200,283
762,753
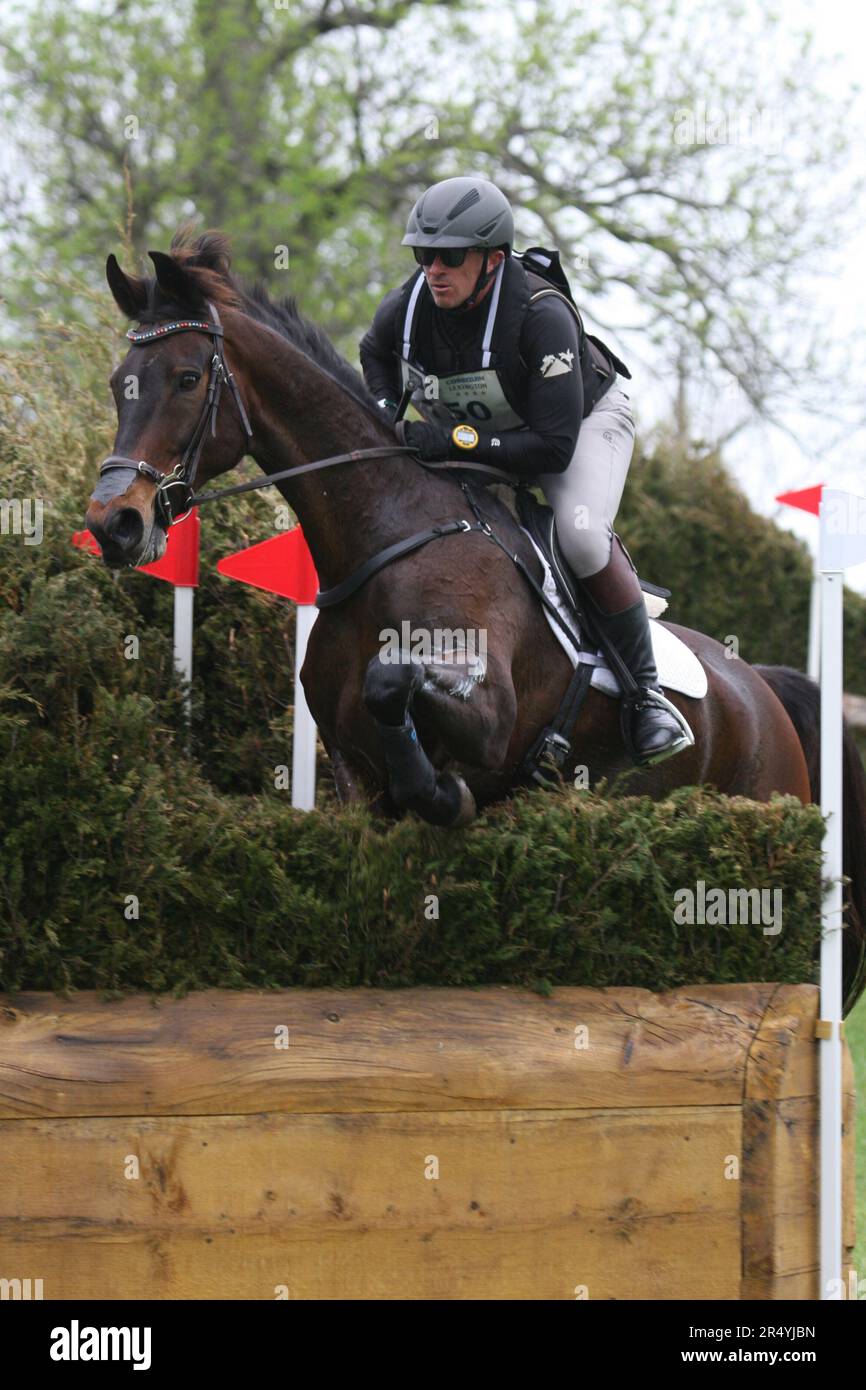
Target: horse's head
177,425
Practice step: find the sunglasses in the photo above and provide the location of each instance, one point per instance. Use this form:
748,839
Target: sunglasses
452,256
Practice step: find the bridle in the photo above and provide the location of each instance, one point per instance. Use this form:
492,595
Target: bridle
174,490
175,495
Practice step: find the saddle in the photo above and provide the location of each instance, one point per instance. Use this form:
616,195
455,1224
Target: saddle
553,745
538,520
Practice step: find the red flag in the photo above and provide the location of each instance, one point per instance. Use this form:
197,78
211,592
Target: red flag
808,499
282,565
85,540
179,563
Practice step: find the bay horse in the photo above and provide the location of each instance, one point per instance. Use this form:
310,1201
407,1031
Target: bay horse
425,733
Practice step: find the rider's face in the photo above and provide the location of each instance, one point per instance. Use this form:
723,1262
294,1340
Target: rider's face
449,287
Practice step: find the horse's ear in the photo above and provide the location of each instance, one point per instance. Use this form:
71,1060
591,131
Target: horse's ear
176,282
130,293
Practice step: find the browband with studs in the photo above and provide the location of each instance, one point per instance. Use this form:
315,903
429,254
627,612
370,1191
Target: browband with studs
143,335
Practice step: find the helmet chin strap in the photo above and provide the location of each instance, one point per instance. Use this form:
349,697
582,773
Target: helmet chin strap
484,278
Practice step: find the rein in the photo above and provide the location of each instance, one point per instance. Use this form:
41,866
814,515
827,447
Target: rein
175,496
266,479
327,598
553,743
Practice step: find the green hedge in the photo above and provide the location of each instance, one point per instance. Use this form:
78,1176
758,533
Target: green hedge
553,888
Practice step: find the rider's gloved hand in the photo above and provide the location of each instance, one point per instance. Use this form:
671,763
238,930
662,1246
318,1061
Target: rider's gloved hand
432,442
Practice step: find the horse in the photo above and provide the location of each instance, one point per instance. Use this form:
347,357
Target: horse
422,729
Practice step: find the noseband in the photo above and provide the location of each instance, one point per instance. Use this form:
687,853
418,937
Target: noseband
174,490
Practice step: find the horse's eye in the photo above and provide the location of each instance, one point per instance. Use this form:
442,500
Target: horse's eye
188,380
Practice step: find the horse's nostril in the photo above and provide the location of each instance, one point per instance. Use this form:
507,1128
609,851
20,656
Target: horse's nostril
125,528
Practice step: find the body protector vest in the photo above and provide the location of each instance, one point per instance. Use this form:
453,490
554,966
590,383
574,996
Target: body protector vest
485,384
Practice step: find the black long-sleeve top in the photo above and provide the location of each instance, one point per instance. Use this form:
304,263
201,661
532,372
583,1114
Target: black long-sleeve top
550,405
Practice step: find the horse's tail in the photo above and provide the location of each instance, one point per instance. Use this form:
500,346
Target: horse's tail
802,700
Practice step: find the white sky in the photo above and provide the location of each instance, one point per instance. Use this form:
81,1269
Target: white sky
764,460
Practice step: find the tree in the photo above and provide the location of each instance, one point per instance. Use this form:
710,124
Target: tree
627,134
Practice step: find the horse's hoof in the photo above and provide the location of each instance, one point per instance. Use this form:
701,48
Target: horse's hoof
451,804
467,810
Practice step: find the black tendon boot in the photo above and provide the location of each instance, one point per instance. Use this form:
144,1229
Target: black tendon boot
655,730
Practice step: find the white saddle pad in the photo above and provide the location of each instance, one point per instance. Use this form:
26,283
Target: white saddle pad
679,669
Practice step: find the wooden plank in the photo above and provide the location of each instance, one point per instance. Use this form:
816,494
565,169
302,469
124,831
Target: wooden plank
781,1194
418,1049
286,1172
398,1265
783,1059
780,1199
794,1287
600,1168
528,1204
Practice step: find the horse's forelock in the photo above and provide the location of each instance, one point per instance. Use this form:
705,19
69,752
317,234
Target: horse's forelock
206,259
209,250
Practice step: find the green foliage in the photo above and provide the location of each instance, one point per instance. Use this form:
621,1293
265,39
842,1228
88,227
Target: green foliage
855,1032
560,888
100,797
65,619
312,128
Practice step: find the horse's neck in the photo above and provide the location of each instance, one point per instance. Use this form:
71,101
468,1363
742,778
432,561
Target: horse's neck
299,413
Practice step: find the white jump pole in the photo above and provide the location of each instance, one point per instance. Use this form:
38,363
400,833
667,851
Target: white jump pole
830,1060
813,666
184,601
842,545
304,736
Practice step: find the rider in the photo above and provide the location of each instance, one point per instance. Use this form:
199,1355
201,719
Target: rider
547,401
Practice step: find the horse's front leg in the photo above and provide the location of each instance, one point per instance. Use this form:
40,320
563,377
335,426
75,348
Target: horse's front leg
347,780
465,718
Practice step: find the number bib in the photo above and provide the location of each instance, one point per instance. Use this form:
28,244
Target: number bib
474,396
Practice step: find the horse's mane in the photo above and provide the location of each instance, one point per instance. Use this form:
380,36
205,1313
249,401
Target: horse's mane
206,258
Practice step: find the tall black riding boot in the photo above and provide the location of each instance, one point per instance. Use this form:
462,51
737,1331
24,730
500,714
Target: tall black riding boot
656,732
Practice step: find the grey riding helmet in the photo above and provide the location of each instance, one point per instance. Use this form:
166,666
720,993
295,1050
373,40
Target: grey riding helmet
461,212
